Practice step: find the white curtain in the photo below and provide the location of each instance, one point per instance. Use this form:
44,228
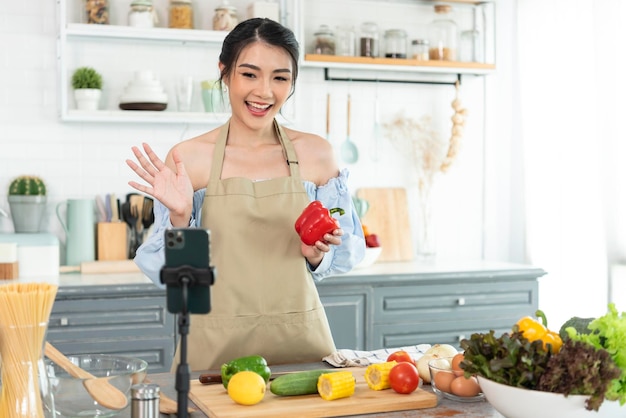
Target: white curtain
572,69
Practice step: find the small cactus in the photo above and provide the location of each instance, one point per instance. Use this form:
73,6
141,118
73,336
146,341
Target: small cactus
27,185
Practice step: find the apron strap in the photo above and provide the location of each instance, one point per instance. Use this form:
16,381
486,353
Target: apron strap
220,146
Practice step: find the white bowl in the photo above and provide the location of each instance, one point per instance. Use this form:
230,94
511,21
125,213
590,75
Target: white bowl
513,402
371,255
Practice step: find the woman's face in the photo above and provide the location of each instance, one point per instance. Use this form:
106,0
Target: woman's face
260,83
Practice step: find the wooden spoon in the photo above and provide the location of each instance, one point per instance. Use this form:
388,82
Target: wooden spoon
101,390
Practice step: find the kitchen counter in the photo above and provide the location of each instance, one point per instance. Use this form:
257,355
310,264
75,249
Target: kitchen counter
444,408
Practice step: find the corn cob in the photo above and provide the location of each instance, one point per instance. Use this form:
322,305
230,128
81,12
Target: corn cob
336,385
377,375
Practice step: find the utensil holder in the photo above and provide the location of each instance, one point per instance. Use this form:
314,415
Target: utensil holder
112,241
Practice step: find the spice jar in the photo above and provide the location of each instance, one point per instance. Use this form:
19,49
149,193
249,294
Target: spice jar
419,49
225,17
141,14
443,34
368,40
395,43
324,41
97,11
181,14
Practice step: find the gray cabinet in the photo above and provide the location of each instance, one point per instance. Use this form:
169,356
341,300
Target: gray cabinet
392,305
126,320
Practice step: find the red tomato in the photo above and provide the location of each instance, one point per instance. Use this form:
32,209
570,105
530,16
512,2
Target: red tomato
403,378
400,356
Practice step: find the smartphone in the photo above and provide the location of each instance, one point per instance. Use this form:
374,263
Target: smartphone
188,247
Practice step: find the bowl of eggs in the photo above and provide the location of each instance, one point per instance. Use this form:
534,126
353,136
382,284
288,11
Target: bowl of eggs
448,380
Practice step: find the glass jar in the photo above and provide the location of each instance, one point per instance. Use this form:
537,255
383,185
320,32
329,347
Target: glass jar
419,49
368,40
141,14
225,17
471,49
395,43
443,33
324,41
97,11
345,41
181,14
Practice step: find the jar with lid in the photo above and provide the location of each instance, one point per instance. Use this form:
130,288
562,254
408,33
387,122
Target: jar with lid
97,11
225,17
395,43
471,46
419,49
368,40
181,14
141,14
324,41
443,33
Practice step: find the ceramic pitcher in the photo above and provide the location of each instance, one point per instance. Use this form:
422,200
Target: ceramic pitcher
79,225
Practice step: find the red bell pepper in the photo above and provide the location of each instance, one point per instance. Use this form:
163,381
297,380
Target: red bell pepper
316,221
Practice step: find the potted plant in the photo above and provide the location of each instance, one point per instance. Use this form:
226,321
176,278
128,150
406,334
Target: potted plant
87,85
27,200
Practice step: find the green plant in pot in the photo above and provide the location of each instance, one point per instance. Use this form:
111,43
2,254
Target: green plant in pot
87,85
27,200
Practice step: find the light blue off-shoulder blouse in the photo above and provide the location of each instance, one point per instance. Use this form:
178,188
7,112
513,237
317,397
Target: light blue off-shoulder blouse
335,194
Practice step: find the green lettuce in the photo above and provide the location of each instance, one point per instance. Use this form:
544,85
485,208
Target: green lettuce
609,332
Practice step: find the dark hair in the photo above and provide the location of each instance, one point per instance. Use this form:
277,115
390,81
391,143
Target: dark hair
259,30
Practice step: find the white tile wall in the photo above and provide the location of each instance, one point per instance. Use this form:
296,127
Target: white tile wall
85,159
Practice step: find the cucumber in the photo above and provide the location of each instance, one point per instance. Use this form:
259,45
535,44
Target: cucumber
298,383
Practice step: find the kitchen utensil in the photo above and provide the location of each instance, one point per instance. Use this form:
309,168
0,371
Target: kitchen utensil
211,378
388,217
102,212
79,225
168,405
147,217
349,151
115,208
131,215
328,116
101,390
213,401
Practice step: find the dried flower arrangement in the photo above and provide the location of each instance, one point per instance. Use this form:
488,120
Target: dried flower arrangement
428,154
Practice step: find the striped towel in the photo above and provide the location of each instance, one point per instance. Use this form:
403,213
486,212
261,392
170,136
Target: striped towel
354,358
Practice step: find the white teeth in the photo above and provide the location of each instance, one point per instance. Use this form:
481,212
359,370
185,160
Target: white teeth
258,106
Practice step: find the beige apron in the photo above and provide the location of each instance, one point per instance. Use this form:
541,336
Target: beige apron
264,300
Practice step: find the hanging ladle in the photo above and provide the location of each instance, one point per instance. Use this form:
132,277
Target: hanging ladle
349,151
101,390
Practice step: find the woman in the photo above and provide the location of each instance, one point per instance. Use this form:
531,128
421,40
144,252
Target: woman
247,182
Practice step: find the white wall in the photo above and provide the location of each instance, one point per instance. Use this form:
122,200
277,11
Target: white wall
476,215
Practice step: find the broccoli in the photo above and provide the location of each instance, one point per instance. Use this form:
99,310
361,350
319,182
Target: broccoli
579,324
580,369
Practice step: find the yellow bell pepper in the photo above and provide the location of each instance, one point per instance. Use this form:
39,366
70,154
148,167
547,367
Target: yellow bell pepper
534,330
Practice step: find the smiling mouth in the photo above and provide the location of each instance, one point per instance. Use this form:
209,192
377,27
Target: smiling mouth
258,108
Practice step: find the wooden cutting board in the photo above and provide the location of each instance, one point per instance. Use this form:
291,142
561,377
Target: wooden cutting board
388,217
215,402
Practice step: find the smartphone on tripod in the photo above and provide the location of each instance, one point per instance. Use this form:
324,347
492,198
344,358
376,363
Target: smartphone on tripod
188,248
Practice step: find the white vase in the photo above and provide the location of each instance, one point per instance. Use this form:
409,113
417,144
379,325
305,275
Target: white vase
87,99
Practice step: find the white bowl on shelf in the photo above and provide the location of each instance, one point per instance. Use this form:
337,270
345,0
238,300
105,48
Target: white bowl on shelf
514,402
371,255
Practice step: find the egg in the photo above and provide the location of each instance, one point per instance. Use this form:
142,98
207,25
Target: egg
463,387
443,380
455,364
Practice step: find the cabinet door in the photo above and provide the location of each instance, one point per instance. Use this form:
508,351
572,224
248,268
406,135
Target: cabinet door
135,326
346,316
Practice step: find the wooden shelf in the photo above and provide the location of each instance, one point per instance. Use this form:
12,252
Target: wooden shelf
396,64
158,34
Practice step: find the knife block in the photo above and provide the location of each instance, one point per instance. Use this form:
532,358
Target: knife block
112,241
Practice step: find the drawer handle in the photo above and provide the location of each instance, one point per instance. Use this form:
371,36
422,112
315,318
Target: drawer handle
461,301
64,322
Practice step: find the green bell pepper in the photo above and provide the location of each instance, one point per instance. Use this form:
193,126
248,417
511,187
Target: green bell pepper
254,363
